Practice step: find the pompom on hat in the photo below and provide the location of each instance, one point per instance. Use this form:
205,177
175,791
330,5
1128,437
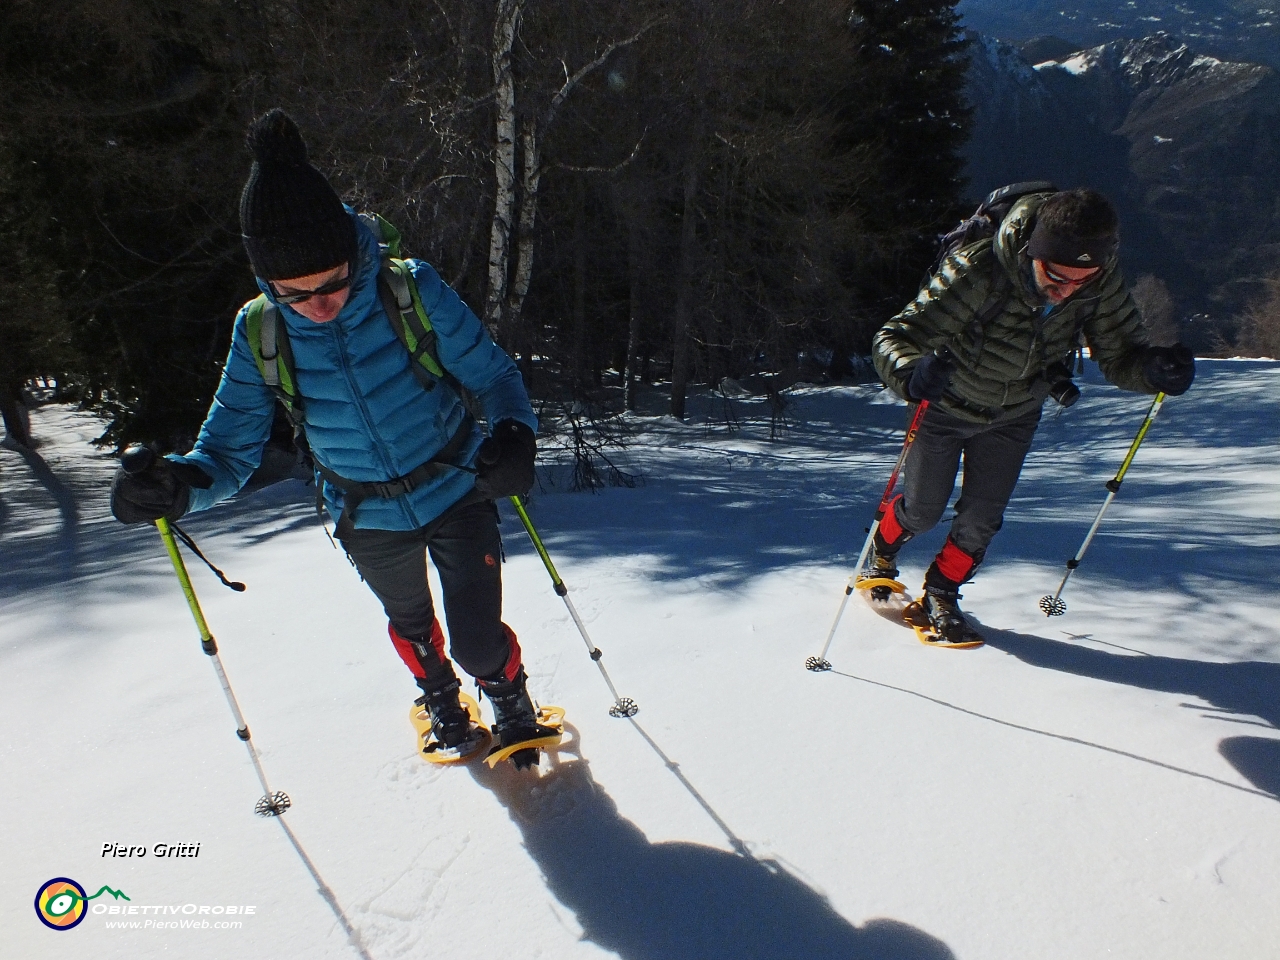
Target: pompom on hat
292,222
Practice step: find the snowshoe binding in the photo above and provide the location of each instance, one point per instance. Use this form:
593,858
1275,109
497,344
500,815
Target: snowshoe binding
448,725
938,621
879,577
521,730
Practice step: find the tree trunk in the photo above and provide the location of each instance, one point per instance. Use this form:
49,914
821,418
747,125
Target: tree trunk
684,298
579,289
635,251
530,178
506,26
13,410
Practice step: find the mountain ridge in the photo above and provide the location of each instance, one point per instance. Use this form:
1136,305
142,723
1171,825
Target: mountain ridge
1227,29
1183,142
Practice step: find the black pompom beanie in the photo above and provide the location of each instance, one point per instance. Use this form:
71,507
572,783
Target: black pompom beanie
292,221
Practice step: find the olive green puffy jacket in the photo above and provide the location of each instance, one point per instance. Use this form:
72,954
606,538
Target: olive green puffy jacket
999,368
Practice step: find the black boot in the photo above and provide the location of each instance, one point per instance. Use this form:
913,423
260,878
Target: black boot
950,627
882,565
451,728
515,719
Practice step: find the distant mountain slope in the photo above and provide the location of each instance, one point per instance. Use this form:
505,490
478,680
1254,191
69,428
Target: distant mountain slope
1230,29
1187,145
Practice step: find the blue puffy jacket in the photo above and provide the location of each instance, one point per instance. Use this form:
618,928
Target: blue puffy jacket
368,418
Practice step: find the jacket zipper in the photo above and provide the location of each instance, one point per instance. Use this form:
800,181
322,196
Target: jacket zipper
383,453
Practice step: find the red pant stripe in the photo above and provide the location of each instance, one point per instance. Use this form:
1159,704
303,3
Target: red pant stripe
953,563
437,640
513,660
890,529
410,655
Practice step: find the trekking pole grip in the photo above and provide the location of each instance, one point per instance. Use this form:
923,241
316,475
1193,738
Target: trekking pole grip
136,459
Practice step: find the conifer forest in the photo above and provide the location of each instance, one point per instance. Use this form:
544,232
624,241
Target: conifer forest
648,192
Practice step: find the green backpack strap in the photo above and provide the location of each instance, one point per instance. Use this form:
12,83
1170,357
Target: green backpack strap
388,236
400,299
272,354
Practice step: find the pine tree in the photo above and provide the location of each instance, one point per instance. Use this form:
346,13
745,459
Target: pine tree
114,166
907,97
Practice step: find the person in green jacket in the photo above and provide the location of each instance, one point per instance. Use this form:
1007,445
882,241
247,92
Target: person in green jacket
986,341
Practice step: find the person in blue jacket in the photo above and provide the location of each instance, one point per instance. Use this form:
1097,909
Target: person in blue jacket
404,469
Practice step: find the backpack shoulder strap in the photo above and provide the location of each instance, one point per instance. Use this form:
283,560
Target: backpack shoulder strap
271,351
387,235
401,301
995,208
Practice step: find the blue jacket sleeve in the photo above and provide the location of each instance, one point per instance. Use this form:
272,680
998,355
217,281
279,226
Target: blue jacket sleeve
236,429
467,351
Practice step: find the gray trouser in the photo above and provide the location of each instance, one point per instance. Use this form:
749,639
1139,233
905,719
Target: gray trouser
993,455
467,552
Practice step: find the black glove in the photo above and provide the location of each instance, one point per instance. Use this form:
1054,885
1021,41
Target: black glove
929,378
148,487
1169,369
504,462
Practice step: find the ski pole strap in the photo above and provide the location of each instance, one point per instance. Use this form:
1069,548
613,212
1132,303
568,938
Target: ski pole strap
191,545
355,492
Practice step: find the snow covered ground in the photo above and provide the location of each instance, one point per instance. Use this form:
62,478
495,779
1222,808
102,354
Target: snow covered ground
1101,784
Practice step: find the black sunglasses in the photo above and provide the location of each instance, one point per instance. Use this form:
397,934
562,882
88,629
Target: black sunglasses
1058,278
333,286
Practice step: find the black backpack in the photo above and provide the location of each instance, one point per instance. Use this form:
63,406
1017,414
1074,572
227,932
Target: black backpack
986,219
982,225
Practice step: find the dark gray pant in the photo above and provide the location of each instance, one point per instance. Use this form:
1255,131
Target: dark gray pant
993,456
467,552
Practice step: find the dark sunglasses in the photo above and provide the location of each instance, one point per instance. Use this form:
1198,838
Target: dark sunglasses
1062,281
333,286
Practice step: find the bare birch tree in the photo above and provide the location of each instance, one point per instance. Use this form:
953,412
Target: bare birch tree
506,27
517,203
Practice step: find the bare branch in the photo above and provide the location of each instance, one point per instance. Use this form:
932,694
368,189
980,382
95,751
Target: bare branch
635,152
573,81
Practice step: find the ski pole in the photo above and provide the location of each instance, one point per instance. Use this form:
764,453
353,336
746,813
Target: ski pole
1054,606
820,663
622,706
135,460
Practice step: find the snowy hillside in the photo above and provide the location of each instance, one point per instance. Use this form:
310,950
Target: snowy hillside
1101,784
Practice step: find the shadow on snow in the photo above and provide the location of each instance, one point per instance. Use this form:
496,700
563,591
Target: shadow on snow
733,508
1236,692
722,509
676,900
81,549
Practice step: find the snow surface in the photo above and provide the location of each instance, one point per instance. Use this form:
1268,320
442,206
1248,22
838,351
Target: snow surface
1100,784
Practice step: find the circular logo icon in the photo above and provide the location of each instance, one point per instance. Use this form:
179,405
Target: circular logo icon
60,904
